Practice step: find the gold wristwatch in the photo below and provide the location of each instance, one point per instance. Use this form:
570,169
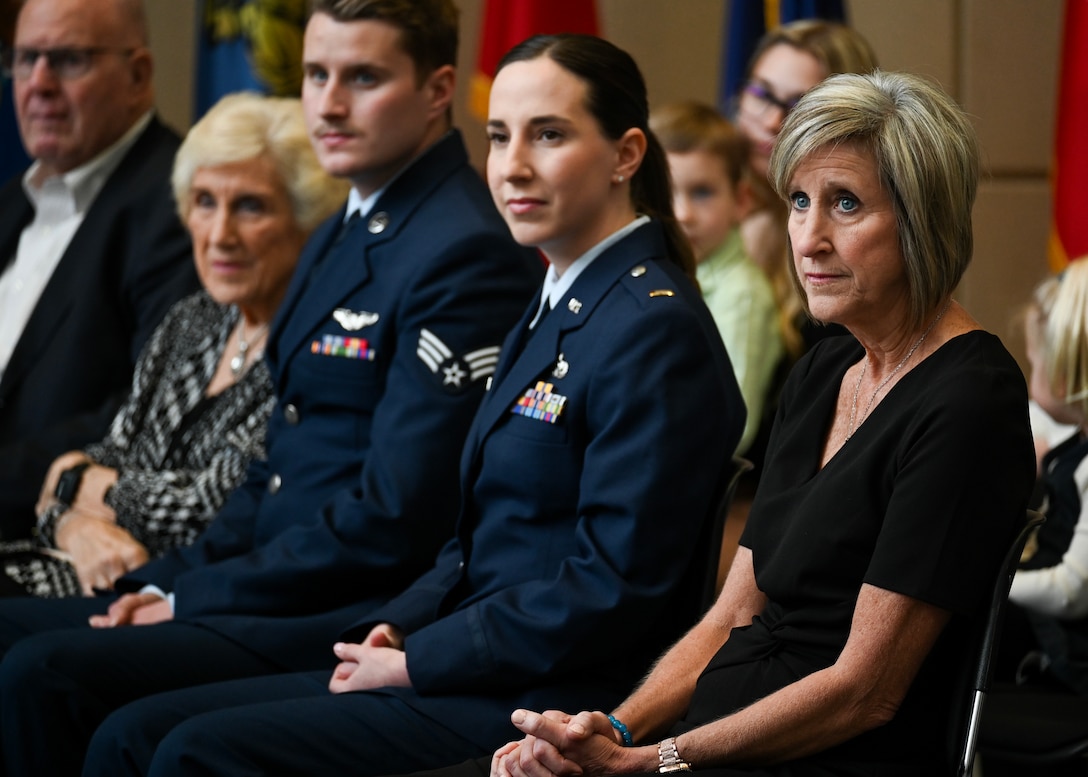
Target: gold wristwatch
668,757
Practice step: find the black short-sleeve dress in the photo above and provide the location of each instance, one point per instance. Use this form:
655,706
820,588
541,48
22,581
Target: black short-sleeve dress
922,500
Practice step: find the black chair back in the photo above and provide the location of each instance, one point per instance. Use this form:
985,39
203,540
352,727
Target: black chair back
979,672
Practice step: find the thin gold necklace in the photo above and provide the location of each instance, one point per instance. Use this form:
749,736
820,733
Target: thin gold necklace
892,374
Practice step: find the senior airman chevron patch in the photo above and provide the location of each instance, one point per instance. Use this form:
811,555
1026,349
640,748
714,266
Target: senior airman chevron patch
456,372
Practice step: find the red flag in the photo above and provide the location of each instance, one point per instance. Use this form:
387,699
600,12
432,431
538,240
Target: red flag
1069,228
509,22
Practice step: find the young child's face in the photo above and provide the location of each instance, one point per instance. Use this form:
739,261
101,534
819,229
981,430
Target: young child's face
706,202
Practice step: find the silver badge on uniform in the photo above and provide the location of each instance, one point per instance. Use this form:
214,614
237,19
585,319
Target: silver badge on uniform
561,367
378,222
352,321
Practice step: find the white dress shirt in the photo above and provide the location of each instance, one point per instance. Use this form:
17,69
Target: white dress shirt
60,204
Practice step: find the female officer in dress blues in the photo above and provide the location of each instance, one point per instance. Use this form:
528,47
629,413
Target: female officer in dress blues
588,474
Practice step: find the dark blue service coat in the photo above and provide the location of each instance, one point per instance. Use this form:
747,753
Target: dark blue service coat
568,573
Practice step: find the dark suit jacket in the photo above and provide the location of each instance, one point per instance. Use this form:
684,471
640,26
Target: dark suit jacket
128,262
569,574
360,489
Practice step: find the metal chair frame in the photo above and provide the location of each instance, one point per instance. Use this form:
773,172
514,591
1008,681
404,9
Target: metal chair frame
987,640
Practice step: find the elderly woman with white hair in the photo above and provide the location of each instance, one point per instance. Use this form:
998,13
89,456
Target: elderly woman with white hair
250,189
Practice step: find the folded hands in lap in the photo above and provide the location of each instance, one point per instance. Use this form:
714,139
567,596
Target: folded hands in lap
139,609
377,662
558,744
100,550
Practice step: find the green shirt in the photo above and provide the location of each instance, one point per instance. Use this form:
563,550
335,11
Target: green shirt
741,300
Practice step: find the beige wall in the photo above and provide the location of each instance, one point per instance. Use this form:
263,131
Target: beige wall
998,57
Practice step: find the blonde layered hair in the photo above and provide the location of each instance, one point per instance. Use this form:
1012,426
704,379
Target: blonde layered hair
247,125
928,156
839,48
1058,318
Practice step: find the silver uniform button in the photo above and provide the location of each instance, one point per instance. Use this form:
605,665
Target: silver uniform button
378,222
639,271
290,414
274,484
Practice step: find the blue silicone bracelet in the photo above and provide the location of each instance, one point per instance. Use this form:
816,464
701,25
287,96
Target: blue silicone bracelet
624,733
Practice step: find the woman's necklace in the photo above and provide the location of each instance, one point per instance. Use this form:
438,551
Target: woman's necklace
892,374
238,361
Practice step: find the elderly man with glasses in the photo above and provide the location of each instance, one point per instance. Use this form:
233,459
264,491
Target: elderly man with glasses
91,251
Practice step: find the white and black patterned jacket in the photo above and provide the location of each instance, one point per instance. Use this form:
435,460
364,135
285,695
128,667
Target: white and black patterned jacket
168,490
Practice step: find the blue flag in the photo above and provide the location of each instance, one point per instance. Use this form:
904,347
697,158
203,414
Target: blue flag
251,45
746,22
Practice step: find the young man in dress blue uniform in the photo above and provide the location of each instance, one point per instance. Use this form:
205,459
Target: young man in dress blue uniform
379,355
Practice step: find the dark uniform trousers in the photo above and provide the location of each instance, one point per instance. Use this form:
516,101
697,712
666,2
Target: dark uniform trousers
588,473
384,341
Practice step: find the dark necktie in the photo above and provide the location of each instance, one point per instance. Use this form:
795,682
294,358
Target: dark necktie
345,228
531,329
544,311
341,234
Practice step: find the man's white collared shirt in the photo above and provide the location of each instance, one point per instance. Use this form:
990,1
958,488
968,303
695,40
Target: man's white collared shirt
60,204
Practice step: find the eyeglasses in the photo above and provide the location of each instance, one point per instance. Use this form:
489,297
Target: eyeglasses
65,63
763,100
